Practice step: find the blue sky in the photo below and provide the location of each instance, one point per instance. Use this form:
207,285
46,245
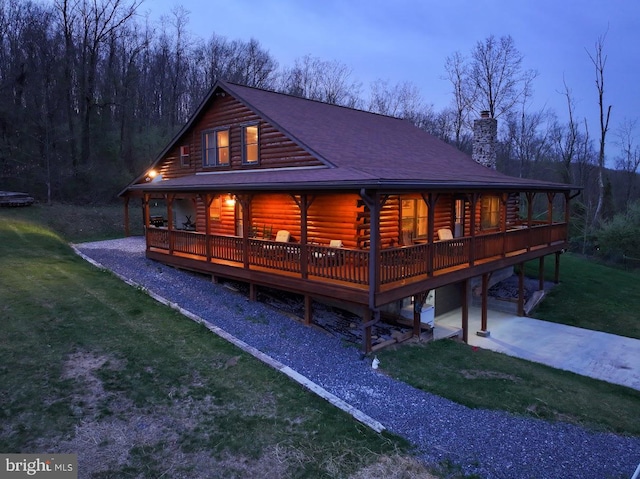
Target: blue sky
409,40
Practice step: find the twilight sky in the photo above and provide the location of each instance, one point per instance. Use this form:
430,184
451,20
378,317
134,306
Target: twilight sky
409,40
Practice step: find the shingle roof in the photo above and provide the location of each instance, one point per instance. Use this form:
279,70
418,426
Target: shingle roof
360,149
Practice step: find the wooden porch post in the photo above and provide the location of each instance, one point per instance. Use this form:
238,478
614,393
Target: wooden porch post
169,199
504,200
521,290
550,198
126,217
530,198
245,205
556,276
145,217
541,274
474,205
373,203
465,311
207,200
431,201
303,204
485,296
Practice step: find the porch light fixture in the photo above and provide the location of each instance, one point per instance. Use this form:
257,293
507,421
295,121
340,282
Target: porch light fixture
151,175
230,201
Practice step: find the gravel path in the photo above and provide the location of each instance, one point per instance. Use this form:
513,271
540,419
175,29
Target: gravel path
491,444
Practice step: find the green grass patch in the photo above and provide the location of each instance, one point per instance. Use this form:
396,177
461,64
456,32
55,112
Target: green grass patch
77,223
592,296
481,378
93,366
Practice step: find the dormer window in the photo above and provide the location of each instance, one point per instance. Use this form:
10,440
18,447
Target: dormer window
215,148
250,145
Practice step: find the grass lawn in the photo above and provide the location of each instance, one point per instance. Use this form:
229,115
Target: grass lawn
93,366
80,223
481,378
592,296
90,364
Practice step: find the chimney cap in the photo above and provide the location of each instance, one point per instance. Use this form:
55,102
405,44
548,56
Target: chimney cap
484,114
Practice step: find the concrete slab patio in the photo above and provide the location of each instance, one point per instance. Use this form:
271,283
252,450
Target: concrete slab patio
599,355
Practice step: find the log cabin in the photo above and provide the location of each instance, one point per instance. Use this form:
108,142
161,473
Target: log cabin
341,205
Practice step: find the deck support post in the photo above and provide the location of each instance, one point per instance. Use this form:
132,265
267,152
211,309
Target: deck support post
308,310
521,290
418,303
556,276
465,310
366,336
253,292
541,274
484,332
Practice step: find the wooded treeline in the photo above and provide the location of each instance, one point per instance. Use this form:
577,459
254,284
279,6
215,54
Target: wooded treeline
91,91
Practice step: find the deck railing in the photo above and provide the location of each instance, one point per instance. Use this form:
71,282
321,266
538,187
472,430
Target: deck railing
340,264
350,265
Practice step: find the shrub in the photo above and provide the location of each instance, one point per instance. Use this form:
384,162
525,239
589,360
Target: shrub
621,236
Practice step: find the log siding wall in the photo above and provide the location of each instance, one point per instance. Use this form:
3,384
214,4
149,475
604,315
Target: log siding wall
275,149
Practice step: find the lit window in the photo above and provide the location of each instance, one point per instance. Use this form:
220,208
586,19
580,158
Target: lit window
250,145
490,212
215,148
223,147
184,155
414,217
215,210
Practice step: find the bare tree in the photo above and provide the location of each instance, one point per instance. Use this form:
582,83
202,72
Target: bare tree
88,26
317,79
599,60
629,161
402,100
496,76
464,94
528,138
566,138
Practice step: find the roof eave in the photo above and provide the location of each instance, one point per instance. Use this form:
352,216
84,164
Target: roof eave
355,185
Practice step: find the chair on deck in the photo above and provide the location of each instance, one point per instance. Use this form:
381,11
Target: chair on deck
329,258
445,234
283,236
407,237
266,232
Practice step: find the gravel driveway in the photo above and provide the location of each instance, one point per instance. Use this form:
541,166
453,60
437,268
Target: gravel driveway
491,444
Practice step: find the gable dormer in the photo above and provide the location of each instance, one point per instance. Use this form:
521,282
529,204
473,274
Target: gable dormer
227,134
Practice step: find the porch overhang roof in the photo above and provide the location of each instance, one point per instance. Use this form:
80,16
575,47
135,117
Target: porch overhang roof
333,179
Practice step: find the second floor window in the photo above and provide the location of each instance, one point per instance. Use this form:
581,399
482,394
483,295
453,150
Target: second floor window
250,145
184,155
215,148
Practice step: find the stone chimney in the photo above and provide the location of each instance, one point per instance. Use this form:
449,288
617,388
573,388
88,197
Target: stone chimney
485,132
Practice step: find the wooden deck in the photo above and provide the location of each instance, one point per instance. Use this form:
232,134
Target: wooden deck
343,272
